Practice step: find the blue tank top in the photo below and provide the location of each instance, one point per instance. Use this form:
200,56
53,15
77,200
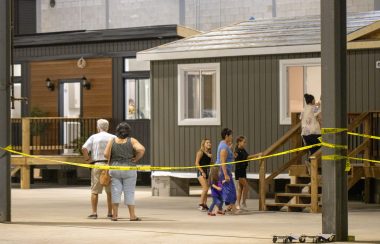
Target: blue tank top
230,155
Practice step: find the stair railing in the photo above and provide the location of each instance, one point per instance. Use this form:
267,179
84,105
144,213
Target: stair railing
315,161
294,136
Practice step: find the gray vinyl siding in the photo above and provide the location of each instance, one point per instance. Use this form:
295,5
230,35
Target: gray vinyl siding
249,106
363,80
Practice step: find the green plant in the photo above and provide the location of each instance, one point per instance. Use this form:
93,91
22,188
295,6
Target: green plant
37,127
79,143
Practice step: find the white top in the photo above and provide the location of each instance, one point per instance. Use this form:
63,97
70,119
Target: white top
309,122
97,143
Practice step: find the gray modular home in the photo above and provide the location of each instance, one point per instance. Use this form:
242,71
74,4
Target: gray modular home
250,77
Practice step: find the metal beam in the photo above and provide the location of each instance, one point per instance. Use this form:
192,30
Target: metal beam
5,187
334,113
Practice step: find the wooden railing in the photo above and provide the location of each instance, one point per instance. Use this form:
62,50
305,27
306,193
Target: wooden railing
315,162
294,137
51,135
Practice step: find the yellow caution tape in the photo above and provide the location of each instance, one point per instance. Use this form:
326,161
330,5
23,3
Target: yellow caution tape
332,130
168,168
156,168
364,135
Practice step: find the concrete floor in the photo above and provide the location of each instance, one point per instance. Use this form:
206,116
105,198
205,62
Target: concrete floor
58,215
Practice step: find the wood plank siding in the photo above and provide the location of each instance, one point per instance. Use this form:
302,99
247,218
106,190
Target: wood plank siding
97,102
249,104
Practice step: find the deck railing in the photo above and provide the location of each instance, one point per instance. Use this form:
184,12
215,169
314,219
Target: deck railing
51,135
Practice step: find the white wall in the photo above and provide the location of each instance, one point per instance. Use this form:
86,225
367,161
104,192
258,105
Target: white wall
201,14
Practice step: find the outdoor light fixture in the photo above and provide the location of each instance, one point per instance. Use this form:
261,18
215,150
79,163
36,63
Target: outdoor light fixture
85,83
49,84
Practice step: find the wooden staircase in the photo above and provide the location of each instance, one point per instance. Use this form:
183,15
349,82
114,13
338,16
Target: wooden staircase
297,196
304,192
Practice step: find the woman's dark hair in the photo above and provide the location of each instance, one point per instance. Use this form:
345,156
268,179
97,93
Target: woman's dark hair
214,175
123,130
308,98
238,140
226,132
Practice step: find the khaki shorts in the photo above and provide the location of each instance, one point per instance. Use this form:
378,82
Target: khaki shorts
96,187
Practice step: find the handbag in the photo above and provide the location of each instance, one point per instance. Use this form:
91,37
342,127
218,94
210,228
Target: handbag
105,177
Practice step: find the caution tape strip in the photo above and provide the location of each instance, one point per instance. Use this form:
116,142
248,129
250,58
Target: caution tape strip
156,168
166,168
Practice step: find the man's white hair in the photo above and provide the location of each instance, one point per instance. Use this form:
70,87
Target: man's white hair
102,125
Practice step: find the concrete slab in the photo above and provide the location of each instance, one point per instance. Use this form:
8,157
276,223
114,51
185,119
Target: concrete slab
58,215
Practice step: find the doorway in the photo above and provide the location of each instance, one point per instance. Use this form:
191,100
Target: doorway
70,108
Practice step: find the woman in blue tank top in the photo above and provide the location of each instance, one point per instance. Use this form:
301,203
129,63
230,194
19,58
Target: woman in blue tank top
225,155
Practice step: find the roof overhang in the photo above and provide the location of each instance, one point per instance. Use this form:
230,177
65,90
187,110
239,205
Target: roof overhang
229,52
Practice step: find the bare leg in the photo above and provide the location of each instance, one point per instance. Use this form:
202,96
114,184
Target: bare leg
109,203
94,203
239,193
205,186
132,214
115,210
244,190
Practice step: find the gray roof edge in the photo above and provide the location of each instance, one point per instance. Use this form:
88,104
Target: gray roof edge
232,52
87,36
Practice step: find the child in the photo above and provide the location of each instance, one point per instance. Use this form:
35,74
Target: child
216,191
241,170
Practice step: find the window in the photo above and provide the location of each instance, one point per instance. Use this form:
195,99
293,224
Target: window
297,77
16,111
16,70
137,89
137,102
131,64
199,94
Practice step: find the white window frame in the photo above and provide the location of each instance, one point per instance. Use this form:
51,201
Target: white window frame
182,68
283,84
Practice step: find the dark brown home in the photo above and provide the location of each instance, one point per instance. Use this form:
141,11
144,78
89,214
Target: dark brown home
70,79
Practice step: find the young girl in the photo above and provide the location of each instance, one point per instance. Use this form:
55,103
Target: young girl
216,191
203,158
241,170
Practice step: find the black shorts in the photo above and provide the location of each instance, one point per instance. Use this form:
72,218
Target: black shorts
240,173
206,170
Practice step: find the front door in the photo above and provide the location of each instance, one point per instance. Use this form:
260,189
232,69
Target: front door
70,108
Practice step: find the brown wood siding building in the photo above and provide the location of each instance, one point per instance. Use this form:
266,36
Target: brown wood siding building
55,56
96,102
249,87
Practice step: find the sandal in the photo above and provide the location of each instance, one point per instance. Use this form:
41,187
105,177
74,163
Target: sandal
136,219
92,216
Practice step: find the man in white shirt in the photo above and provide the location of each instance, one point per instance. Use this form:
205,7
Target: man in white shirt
93,151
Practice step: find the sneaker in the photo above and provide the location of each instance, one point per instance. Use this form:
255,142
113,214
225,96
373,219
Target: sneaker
109,215
205,206
202,208
92,216
211,214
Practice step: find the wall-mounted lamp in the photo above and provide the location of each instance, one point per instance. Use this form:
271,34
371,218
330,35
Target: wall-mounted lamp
85,83
49,84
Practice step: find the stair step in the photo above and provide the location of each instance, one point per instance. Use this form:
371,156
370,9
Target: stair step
299,187
291,207
295,194
294,198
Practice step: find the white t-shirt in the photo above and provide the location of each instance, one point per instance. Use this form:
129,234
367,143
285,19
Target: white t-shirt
310,124
97,143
